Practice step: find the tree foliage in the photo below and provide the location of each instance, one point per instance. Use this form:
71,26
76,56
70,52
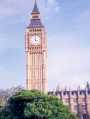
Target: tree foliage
35,105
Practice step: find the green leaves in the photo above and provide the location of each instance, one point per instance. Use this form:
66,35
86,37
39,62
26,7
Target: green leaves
36,105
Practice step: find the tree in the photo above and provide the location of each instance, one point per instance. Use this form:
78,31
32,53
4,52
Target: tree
36,105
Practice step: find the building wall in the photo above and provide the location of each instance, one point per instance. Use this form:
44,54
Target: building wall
78,101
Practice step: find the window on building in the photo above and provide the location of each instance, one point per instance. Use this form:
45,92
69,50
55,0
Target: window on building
75,107
84,116
83,99
83,107
67,100
75,100
74,92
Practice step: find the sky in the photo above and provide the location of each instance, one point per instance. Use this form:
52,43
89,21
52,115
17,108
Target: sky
67,23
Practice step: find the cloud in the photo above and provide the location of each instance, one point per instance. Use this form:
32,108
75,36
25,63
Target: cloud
53,6
13,7
7,44
83,18
68,62
70,67
7,78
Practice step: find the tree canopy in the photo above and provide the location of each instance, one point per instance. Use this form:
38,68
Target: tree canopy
35,105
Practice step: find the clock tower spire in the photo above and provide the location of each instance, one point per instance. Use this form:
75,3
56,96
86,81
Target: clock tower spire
35,9
36,53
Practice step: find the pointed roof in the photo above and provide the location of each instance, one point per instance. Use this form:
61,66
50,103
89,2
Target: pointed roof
35,9
35,21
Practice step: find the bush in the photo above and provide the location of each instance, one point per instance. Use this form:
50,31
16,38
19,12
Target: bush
35,105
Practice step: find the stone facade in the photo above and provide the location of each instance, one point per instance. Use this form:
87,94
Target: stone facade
36,53
78,101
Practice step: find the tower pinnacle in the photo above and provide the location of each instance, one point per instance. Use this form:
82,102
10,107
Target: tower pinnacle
35,9
35,21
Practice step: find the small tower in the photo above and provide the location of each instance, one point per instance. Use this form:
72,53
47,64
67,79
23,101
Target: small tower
88,86
36,53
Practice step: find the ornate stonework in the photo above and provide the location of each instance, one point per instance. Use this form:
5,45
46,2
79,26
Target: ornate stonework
36,53
78,101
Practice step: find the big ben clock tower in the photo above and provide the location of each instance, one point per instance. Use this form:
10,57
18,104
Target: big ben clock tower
36,53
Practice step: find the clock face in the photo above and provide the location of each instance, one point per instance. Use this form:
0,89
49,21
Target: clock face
35,40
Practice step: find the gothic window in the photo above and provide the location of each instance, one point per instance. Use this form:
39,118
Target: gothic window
75,107
75,100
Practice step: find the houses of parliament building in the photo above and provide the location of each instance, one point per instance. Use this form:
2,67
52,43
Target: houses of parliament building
78,101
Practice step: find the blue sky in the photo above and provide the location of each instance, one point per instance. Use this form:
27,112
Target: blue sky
67,24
